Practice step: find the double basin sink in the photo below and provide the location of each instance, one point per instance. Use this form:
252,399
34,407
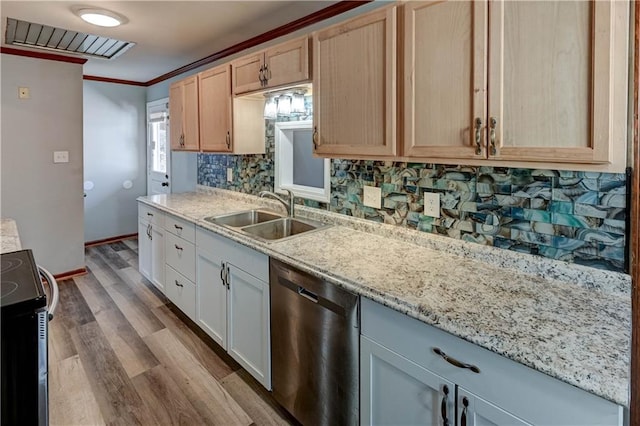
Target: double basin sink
266,225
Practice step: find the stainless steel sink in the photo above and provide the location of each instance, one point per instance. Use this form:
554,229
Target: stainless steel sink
240,219
281,228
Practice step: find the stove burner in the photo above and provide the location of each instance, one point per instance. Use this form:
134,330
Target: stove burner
7,287
9,265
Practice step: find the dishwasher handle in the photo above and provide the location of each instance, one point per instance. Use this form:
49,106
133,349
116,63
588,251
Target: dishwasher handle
307,294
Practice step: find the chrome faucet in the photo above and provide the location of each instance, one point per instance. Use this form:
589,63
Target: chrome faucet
287,205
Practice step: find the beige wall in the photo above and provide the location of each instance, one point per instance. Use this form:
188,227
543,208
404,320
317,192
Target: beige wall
44,198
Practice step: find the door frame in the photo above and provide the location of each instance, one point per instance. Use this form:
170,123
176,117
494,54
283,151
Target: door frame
151,105
634,233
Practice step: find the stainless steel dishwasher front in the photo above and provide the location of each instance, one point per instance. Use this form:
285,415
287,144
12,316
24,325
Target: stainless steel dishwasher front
314,347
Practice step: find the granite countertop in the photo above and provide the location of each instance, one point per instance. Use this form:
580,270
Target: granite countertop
9,237
568,321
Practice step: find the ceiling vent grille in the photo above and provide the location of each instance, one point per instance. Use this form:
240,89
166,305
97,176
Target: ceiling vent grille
23,33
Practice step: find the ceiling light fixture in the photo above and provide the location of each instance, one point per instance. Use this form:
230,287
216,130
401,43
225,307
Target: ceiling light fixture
100,17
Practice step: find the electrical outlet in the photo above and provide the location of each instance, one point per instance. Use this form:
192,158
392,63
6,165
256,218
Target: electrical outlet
372,196
229,174
432,204
60,156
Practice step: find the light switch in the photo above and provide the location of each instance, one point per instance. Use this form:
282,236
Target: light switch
60,156
23,93
432,204
372,196
229,174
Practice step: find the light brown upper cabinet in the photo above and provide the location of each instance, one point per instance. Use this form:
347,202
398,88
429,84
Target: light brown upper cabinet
183,115
215,108
516,81
281,65
354,86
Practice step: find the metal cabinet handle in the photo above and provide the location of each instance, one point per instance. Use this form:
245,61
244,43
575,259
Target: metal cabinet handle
151,232
267,74
443,405
478,135
455,362
261,75
178,284
463,416
315,137
226,276
224,284
149,214
178,227
178,247
228,140
492,135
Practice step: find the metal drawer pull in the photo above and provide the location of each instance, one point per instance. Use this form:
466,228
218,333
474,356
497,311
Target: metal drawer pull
178,227
455,362
463,416
178,284
443,406
149,214
178,247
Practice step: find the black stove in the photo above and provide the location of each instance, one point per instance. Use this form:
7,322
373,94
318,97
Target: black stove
23,333
22,290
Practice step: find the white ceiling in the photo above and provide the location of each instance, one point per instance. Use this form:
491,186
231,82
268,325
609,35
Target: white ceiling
168,34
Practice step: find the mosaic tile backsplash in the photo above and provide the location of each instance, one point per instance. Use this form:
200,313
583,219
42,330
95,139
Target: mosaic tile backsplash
577,217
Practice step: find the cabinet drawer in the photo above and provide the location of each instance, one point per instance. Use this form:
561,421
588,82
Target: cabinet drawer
180,227
181,291
245,258
523,391
181,256
154,216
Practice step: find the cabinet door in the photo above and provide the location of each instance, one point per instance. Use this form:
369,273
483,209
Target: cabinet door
550,80
444,79
246,73
248,328
176,105
475,411
287,63
190,117
144,249
354,83
215,109
157,256
211,310
396,391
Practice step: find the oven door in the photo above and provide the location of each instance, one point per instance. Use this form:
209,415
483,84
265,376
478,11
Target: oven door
44,316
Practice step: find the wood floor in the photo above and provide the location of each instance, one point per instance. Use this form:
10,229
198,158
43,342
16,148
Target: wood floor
121,354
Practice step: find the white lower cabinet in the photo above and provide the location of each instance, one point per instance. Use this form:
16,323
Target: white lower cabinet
180,257
181,291
248,333
405,365
232,285
151,244
144,248
397,391
211,311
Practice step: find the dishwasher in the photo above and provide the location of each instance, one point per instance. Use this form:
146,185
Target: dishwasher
314,347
